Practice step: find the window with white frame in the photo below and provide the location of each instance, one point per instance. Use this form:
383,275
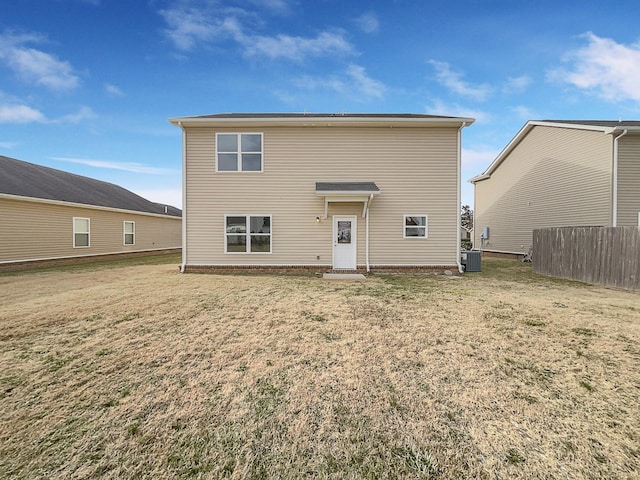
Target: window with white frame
81,232
129,230
239,152
247,234
415,226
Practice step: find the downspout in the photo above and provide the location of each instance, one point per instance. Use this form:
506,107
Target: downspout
614,220
366,235
184,198
459,197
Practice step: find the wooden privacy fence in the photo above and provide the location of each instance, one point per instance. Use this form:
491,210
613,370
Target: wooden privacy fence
605,255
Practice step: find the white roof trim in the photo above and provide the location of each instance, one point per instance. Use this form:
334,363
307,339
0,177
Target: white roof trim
536,123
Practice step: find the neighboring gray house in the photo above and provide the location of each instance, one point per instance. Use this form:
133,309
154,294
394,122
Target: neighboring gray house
48,214
557,173
321,192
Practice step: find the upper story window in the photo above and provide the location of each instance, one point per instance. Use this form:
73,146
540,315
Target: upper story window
239,152
416,226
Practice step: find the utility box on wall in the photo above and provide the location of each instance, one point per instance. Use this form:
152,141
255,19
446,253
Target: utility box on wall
485,233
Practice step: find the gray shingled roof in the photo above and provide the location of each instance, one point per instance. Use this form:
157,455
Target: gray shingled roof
30,180
346,187
319,115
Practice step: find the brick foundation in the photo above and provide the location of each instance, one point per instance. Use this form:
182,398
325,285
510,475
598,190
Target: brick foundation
314,269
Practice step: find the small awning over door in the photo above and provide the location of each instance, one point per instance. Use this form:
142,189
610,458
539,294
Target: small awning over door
347,192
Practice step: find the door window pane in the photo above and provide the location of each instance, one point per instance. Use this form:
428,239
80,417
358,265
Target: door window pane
344,231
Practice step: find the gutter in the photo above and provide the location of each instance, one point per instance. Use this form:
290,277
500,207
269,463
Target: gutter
184,198
366,245
614,220
459,197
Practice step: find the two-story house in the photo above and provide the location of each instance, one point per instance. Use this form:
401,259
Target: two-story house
558,173
321,192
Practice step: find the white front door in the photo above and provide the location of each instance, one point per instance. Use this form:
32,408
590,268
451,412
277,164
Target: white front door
344,243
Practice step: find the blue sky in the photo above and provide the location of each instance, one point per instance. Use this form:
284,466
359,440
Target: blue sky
87,86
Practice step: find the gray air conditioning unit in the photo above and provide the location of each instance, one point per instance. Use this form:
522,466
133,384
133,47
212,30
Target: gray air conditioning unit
471,260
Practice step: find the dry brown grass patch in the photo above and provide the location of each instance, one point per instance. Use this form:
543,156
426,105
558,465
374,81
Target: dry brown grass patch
140,372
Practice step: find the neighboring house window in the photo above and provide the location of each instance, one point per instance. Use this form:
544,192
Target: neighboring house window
239,152
415,226
129,233
247,234
81,229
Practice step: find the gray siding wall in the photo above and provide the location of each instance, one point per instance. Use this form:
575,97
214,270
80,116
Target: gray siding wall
35,230
554,177
629,180
415,169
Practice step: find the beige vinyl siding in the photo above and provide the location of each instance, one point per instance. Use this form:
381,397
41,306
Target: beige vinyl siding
554,177
36,230
415,169
628,180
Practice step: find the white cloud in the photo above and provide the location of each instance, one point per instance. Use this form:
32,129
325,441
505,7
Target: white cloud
354,83
8,145
35,66
279,7
20,114
455,110
525,113
113,90
83,113
368,22
189,26
478,159
298,48
193,24
609,69
453,81
517,84
132,167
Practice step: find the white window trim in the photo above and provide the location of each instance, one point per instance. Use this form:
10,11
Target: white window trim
124,232
405,226
239,152
248,233
88,232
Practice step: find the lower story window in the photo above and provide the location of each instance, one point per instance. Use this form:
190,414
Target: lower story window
415,226
247,234
129,233
81,232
